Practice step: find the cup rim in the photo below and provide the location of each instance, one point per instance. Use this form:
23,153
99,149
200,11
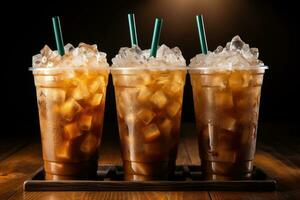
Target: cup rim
218,69
68,68
150,68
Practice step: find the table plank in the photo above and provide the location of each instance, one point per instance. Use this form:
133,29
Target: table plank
110,154
17,168
10,145
280,159
112,195
246,195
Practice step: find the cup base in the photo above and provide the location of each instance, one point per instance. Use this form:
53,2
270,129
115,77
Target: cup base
70,171
146,170
227,171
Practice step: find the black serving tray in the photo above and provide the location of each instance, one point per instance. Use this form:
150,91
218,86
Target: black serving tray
185,178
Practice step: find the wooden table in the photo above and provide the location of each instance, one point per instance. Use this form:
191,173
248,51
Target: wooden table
278,155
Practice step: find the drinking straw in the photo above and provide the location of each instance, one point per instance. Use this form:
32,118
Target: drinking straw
201,32
132,30
156,36
58,35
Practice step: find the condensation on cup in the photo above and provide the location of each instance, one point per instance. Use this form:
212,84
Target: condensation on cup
71,93
226,89
149,94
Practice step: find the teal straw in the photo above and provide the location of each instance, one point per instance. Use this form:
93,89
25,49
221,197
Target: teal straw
132,30
156,36
58,35
201,32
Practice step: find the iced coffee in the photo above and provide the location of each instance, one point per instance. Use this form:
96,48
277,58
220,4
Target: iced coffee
226,88
71,97
149,95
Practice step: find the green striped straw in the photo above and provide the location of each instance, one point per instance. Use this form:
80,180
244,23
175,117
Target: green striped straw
132,30
58,35
156,36
201,32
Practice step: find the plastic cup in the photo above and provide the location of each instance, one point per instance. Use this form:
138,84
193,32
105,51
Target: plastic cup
149,104
71,105
226,107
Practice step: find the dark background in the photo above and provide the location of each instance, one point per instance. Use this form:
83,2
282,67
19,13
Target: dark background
268,25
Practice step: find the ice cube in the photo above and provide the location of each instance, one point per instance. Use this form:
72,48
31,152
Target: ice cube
55,95
71,131
129,57
227,139
166,127
87,50
37,60
101,57
223,99
96,99
46,51
164,79
89,144
242,103
64,150
151,133
78,60
70,109
69,48
159,99
225,156
219,49
236,43
96,84
237,81
144,94
214,81
85,122
144,79
173,89
173,108
248,99
80,92
178,77
254,52
145,115
228,123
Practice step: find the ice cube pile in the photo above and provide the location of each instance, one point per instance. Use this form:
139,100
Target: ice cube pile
82,56
236,55
135,57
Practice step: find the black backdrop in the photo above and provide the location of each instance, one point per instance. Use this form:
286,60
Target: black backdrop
269,25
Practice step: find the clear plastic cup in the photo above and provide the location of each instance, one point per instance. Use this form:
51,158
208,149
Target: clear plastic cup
149,104
226,107
71,104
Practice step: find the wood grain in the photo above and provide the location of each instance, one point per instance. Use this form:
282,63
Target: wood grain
278,155
17,168
112,196
10,145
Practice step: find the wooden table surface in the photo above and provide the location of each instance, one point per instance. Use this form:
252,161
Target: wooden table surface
278,155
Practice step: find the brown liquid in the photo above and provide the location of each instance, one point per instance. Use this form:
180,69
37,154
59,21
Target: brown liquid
149,107
226,108
71,108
